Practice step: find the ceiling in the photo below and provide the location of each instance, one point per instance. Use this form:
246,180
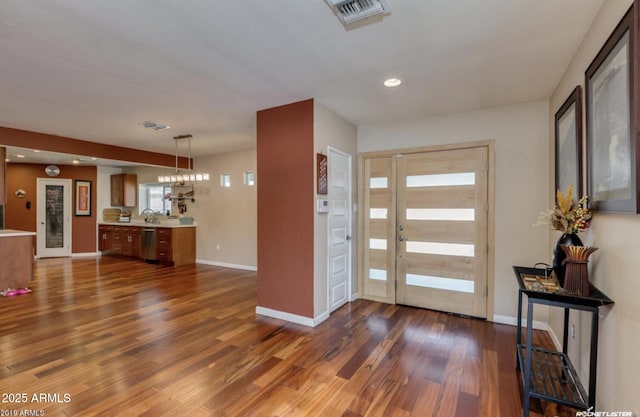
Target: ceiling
95,70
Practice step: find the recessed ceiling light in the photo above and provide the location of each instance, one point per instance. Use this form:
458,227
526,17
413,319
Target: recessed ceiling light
76,161
36,150
392,82
19,156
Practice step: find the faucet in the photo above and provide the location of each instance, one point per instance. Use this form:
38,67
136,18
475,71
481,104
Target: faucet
150,216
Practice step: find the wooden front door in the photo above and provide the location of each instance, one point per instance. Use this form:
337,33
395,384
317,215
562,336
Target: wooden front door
442,231
425,228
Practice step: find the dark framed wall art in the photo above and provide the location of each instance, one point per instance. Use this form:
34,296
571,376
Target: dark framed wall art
612,109
82,200
568,135
322,173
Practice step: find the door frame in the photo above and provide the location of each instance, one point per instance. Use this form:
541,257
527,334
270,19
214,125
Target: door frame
490,144
330,150
40,214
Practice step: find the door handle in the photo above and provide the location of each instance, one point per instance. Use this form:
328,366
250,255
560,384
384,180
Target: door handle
348,237
401,228
401,238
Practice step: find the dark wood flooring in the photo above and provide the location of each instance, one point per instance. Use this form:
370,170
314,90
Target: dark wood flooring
114,337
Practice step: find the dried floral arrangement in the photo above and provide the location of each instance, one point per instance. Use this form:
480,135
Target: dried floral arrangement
569,216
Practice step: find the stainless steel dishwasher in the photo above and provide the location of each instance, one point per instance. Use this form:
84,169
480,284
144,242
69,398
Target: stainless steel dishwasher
148,244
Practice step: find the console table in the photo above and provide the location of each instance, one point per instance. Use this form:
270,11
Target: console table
549,375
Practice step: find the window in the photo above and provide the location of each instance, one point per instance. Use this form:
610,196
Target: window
250,178
225,180
152,197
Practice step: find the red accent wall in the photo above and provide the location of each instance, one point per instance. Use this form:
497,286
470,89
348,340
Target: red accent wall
46,142
18,216
285,166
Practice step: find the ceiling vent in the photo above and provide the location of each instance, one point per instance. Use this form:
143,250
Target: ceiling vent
155,126
351,11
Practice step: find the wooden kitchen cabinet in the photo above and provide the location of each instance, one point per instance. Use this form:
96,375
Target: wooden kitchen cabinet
130,239
124,190
176,246
118,240
105,238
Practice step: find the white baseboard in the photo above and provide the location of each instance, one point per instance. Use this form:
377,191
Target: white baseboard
85,254
227,265
513,321
355,297
293,318
554,338
538,325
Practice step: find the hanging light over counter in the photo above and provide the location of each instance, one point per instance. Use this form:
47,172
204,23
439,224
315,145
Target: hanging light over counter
183,176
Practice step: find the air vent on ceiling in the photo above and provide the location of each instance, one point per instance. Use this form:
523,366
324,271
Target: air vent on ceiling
155,126
350,11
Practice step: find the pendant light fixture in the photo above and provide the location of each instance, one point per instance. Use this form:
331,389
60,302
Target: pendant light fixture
181,177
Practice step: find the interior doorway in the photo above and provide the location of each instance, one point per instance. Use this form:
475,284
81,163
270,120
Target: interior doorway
339,227
53,218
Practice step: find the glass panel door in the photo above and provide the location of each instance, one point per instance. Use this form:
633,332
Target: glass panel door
378,253
441,236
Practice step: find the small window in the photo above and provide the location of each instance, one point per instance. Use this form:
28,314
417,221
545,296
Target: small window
250,178
225,180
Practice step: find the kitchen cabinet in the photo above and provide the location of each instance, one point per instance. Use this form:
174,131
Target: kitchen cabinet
105,238
176,246
130,240
118,240
124,190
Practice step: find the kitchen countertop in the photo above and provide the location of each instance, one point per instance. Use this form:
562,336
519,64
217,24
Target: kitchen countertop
143,224
14,233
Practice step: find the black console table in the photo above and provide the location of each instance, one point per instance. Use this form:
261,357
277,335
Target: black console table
549,375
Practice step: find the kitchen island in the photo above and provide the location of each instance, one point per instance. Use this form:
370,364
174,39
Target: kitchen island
17,251
167,244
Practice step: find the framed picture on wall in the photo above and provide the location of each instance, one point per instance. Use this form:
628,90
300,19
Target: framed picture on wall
612,133
82,200
322,173
568,133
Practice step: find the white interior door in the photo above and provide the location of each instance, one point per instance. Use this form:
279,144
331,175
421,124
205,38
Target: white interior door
54,218
339,225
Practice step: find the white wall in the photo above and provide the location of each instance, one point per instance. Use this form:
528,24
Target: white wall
329,129
521,136
615,266
227,228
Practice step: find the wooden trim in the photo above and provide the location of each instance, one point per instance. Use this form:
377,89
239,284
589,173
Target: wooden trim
491,226
53,143
446,147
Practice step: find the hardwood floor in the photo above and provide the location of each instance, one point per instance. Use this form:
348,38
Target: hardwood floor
113,337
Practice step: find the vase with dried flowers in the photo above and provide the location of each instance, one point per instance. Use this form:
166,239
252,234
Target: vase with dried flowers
570,218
